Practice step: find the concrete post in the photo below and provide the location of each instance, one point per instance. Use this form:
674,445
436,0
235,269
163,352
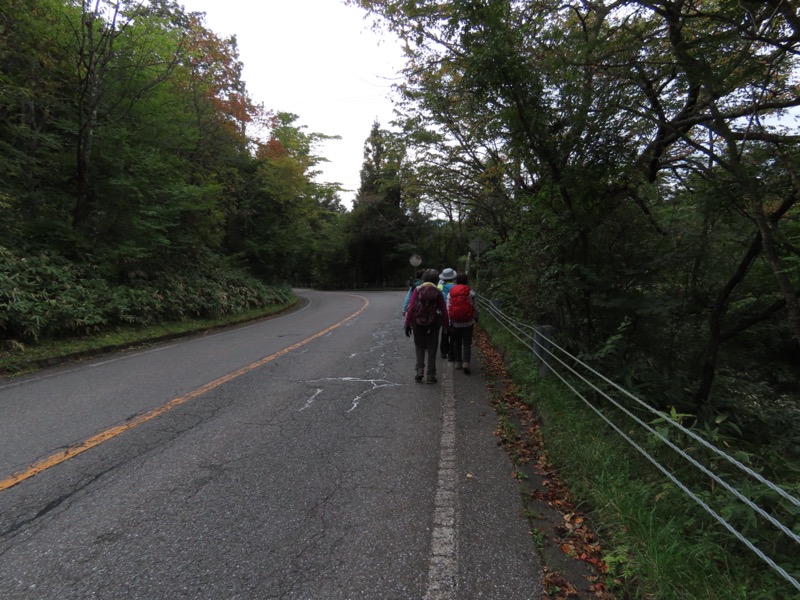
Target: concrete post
542,344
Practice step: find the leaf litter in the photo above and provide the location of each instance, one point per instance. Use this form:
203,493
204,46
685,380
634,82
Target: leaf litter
570,550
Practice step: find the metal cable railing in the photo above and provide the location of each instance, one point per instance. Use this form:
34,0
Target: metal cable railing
566,366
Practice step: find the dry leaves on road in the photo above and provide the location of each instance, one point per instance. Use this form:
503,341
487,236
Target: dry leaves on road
520,436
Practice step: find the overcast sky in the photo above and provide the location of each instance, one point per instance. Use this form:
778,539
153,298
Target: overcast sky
318,59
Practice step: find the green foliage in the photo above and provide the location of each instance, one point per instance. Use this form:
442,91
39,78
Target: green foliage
631,169
385,227
48,296
43,295
136,183
34,110
654,538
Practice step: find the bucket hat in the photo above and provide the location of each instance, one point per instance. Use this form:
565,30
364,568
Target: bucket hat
448,274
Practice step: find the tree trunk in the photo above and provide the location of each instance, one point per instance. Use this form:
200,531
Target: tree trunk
83,208
709,368
96,49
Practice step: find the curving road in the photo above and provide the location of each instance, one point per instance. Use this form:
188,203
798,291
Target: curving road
291,458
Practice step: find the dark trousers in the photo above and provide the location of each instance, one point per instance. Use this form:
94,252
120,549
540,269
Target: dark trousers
462,343
447,345
425,343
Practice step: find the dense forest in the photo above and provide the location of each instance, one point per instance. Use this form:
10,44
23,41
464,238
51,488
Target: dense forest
141,182
633,167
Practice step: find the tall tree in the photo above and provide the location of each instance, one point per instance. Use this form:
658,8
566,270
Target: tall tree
113,40
275,225
34,119
591,124
381,225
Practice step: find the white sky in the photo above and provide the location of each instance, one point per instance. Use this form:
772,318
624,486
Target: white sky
318,59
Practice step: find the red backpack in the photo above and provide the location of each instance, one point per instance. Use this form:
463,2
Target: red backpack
460,307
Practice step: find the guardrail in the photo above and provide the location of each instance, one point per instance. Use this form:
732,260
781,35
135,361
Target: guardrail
553,359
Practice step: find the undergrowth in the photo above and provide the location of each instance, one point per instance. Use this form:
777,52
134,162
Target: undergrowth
48,297
52,308
657,542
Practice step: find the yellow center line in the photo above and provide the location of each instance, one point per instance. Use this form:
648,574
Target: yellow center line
76,449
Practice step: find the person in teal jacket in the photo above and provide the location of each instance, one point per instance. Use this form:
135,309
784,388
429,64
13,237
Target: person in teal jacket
413,284
446,282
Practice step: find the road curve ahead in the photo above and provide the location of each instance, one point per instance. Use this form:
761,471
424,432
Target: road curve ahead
291,458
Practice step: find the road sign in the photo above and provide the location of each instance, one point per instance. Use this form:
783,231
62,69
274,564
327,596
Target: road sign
478,245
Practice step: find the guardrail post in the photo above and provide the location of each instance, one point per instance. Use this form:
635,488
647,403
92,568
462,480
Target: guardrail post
542,344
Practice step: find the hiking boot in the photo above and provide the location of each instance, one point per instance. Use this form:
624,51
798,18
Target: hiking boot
430,379
466,369
418,376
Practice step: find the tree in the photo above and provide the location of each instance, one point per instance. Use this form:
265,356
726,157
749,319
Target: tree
132,166
113,42
590,125
275,224
382,227
34,113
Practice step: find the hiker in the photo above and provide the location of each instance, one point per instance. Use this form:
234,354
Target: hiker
413,283
462,308
427,313
446,281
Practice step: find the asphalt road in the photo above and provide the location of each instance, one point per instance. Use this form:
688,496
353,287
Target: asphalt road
291,458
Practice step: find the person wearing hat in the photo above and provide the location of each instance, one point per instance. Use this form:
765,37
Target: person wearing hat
446,282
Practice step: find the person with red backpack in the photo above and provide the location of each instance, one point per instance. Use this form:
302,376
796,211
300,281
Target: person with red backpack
426,315
462,308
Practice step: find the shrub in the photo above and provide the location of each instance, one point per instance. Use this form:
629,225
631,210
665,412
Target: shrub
49,296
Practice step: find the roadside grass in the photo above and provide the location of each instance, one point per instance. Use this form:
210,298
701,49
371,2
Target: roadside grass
17,359
657,542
